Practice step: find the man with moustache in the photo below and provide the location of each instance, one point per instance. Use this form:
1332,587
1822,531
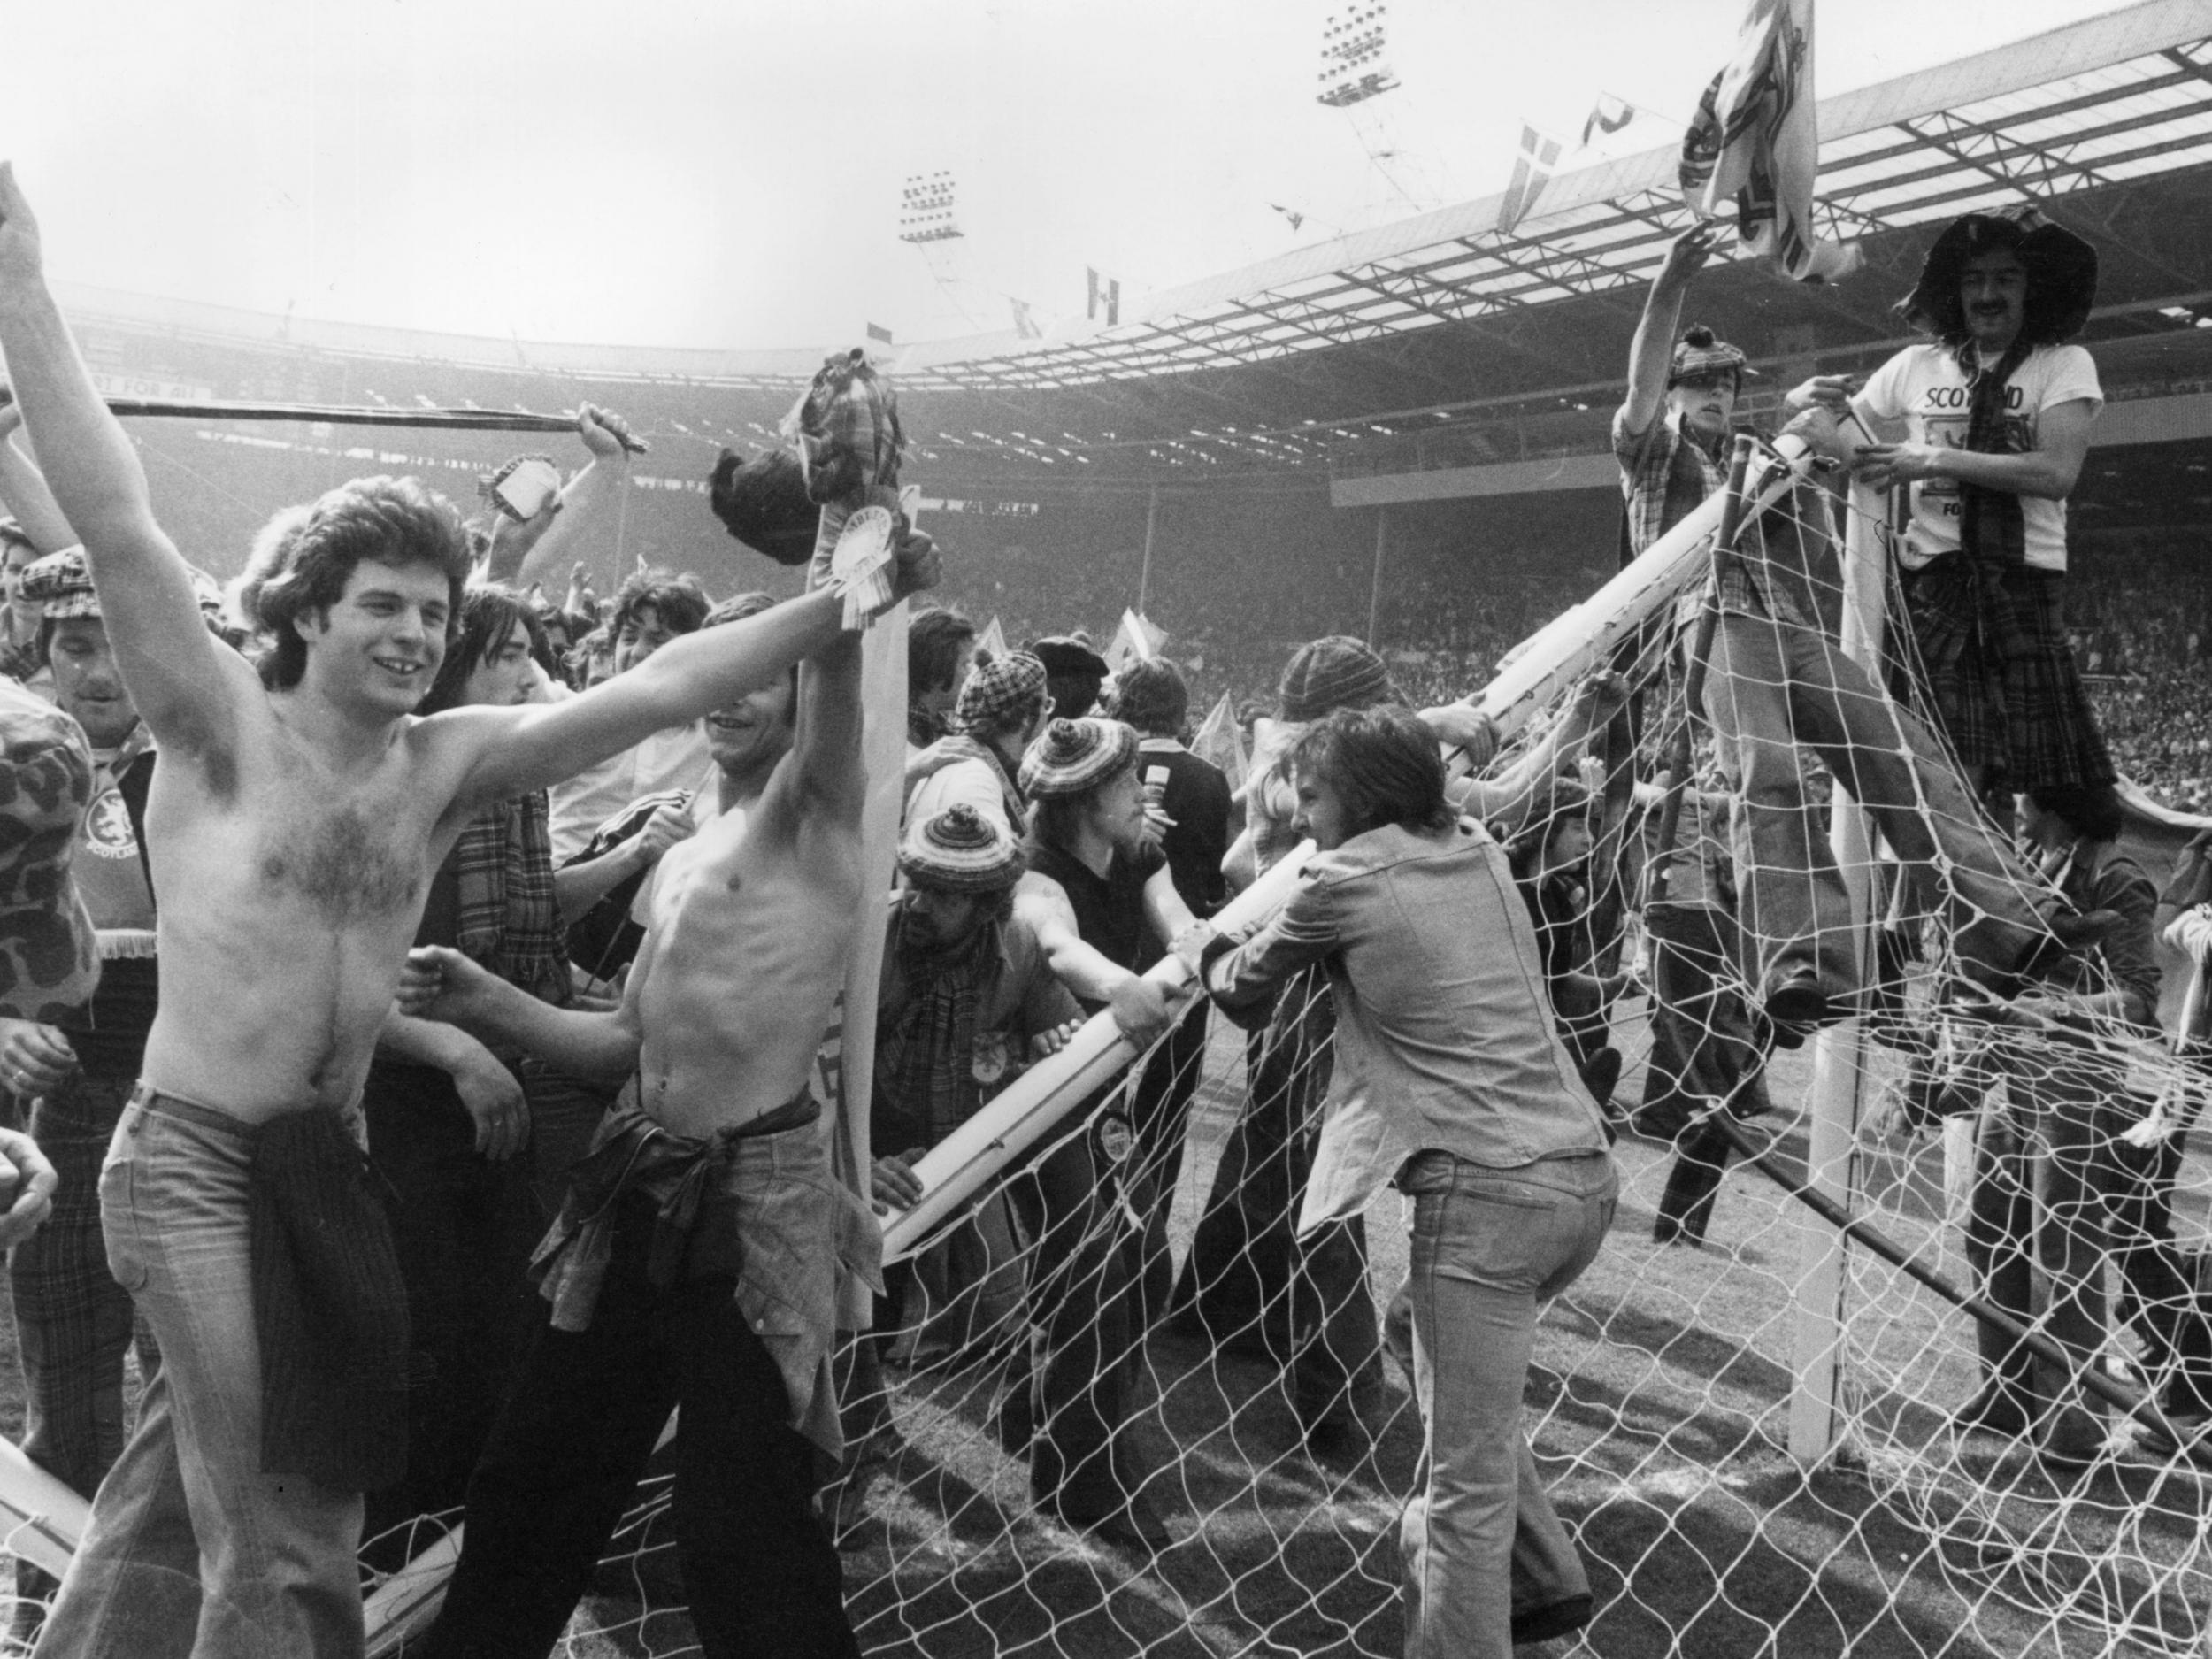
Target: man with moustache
1998,407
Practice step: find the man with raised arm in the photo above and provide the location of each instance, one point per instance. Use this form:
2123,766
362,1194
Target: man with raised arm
694,1266
293,832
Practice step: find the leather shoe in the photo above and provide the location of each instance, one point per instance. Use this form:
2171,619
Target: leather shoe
1798,1001
1553,1619
1997,1407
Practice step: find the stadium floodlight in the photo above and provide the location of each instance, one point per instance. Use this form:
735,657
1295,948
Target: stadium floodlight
926,209
1353,66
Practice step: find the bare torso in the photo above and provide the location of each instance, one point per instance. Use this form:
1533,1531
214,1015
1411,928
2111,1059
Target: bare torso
289,890
737,980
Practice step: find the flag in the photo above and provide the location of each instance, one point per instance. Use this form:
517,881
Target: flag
1136,640
1107,289
1609,114
1220,740
1755,140
1531,171
1025,324
1295,218
991,644
878,331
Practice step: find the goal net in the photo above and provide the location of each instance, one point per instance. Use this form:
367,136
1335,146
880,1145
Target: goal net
1768,1432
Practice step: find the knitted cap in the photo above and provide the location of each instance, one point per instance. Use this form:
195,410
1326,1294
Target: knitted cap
62,582
1003,694
1337,672
959,850
1071,756
1698,352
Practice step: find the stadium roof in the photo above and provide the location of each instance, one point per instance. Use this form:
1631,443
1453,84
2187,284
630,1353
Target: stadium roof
1445,325
2134,99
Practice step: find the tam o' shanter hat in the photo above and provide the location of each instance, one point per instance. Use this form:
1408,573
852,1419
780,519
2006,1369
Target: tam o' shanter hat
1071,756
959,850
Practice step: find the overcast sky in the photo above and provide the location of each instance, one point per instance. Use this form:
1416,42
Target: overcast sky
721,172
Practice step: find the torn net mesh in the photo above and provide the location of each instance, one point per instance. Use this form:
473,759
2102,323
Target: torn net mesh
1276,1437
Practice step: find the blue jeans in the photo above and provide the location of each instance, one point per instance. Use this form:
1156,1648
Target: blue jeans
1490,1247
192,1549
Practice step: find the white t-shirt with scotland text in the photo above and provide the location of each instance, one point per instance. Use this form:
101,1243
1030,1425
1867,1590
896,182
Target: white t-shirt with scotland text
1925,386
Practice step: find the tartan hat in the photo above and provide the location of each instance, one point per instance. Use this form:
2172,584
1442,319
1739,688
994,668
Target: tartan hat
959,850
61,582
1003,694
1337,672
1072,757
1698,352
2061,274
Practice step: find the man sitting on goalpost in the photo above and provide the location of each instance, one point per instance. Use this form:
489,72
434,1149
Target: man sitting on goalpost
1777,681
694,1263
295,829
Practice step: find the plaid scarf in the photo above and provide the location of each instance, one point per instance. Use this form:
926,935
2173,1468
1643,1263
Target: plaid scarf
924,726
1965,594
930,1050
1992,527
510,920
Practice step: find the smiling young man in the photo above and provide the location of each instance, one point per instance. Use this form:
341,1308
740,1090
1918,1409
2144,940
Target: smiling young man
295,829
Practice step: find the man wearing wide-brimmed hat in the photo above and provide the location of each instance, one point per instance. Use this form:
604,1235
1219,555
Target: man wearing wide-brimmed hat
1998,407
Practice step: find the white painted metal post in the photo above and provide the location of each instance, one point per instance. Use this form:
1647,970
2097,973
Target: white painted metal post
1144,575
1374,590
1817,1420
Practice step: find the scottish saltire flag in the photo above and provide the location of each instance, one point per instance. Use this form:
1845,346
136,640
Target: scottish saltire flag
1756,143
1531,171
1609,114
1136,640
1103,291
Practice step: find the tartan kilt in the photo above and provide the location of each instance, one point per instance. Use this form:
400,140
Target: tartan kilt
2022,718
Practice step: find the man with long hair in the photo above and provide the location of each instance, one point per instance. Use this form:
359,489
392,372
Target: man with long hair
294,827
1999,408
1451,1084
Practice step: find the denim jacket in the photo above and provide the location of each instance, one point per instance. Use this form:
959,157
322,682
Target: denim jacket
1444,1034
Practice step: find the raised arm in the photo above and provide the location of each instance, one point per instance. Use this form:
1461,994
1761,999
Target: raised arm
185,684
508,749
1652,348
590,507
23,487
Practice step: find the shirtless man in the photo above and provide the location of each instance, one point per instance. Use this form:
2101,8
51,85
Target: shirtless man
694,1263
295,834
